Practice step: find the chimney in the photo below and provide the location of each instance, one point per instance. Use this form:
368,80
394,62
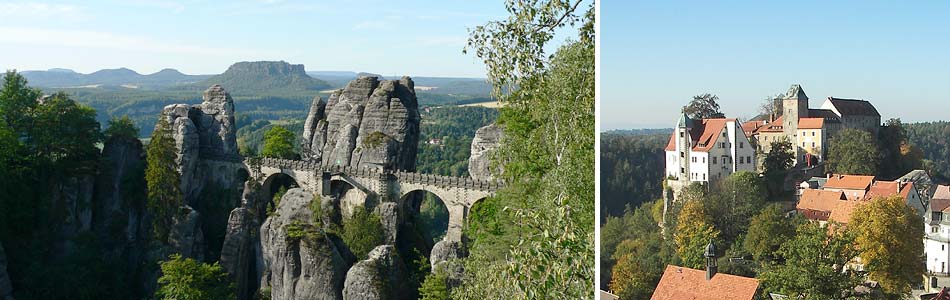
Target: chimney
711,267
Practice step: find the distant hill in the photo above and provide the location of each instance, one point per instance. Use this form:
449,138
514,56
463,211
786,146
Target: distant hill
262,76
433,85
640,131
61,78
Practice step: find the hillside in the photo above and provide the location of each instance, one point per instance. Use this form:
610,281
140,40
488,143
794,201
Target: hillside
61,78
259,77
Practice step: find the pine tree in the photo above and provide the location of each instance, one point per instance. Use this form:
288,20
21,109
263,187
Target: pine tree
161,173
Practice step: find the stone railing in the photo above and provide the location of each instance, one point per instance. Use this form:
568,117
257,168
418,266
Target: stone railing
376,173
448,181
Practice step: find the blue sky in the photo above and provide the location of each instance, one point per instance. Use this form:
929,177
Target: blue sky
655,55
418,38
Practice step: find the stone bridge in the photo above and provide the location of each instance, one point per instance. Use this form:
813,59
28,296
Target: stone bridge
458,194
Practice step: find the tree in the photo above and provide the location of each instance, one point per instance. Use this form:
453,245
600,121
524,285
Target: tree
279,143
734,201
547,154
434,287
693,233
704,106
640,264
853,151
814,265
17,102
768,230
362,232
772,105
62,130
776,164
122,128
888,234
188,279
163,180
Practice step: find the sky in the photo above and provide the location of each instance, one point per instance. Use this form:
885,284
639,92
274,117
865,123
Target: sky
406,37
656,55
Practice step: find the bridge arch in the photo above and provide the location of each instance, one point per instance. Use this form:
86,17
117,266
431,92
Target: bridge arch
425,212
274,182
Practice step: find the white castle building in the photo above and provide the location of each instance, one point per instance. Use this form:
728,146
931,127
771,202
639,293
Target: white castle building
707,150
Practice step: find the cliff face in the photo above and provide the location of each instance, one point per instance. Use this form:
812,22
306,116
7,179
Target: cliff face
486,141
300,266
369,123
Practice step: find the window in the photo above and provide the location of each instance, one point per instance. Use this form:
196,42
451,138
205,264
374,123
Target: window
704,176
714,160
723,134
813,144
741,144
682,170
681,134
749,159
935,229
704,160
694,159
813,132
722,145
682,154
803,144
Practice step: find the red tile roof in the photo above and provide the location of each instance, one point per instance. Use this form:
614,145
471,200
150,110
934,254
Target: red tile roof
750,126
939,204
889,188
811,123
703,135
842,211
818,204
942,192
679,283
849,182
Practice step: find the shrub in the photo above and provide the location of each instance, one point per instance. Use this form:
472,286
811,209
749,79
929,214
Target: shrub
362,232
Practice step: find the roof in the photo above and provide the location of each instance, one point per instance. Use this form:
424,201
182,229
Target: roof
774,126
842,211
854,107
796,92
605,295
818,204
685,121
703,135
889,188
939,204
942,192
944,294
749,127
679,283
849,182
811,123
827,114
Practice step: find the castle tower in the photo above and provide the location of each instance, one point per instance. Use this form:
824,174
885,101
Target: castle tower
683,146
795,105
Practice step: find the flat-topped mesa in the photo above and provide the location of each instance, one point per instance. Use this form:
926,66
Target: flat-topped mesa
369,123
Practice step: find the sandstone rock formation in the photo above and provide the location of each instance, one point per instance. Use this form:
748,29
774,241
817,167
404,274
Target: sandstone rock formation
295,266
381,276
186,237
6,290
445,251
75,196
369,123
203,130
388,213
486,140
241,250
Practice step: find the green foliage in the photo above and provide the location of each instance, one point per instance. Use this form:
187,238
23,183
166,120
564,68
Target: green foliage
631,168
455,127
853,151
733,202
275,201
362,232
814,266
767,231
17,100
633,253
62,130
433,218
188,279
548,155
704,106
694,231
434,287
375,139
776,164
930,138
294,230
279,143
888,234
161,175
121,128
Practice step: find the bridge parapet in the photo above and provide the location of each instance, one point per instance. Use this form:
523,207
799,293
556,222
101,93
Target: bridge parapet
448,181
